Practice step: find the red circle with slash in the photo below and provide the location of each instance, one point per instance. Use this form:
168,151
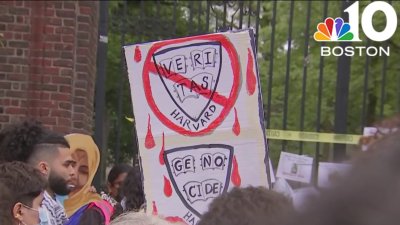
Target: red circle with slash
227,103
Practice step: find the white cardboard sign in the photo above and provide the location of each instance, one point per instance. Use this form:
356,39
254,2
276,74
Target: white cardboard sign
295,167
199,120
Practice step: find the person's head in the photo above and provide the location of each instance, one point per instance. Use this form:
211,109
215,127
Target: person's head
116,178
25,186
251,205
132,190
139,218
53,158
45,150
82,169
87,157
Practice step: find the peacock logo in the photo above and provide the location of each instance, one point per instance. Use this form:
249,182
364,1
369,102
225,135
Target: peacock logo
333,30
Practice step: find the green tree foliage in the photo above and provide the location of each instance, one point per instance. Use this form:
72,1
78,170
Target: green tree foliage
312,63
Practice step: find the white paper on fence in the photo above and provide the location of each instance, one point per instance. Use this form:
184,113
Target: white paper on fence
180,91
330,172
302,196
371,131
367,132
295,167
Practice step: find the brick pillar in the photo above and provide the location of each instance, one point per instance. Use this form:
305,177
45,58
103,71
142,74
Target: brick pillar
48,63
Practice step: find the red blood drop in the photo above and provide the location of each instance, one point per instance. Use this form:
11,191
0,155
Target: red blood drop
138,54
235,178
161,156
236,125
167,187
155,211
149,142
250,75
175,219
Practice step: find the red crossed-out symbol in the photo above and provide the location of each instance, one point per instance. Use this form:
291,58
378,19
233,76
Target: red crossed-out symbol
226,102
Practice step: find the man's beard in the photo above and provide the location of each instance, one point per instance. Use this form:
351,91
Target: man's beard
58,185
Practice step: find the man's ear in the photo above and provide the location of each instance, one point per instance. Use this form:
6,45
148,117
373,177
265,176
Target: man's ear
44,168
17,211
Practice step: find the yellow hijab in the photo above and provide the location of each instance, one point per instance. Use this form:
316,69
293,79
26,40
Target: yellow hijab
83,197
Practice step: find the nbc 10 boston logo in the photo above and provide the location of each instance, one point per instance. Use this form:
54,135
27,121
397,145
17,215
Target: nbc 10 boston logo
337,30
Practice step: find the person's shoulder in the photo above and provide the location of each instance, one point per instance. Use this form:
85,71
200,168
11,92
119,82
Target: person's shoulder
108,198
92,215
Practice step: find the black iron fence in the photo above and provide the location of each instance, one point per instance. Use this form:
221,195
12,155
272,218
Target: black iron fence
302,90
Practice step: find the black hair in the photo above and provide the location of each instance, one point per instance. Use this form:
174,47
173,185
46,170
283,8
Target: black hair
47,147
132,190
5,203
116,171
52,138
24,182
26,140
17,141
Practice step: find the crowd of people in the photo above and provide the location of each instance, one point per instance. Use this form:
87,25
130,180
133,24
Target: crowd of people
46,178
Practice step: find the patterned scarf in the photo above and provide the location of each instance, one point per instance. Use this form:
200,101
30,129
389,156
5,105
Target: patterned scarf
56,210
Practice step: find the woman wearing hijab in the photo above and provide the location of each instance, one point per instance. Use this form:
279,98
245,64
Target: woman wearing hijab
83,206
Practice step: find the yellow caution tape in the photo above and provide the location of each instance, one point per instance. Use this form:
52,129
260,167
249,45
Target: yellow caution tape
290,135
313,136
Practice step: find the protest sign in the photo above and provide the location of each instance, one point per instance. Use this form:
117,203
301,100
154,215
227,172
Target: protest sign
295,167
199,120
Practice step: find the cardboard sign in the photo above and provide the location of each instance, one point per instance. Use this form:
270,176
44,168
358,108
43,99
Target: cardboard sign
295,167
199,120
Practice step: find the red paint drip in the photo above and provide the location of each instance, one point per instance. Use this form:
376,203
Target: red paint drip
138,54
161,156
250,76
175,219
167,187
236,125
149,142
235,178
155,211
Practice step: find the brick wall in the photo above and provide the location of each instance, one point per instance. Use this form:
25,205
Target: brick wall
48,63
